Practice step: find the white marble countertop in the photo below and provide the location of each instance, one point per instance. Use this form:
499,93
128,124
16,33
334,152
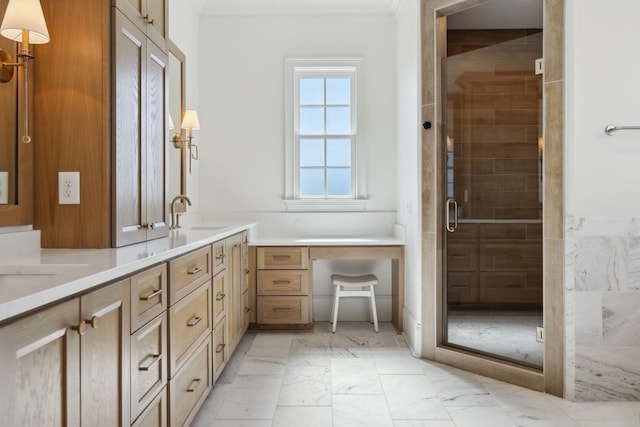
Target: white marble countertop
327,241
29,280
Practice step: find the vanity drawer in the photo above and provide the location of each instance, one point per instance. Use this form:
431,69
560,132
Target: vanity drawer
189,321
220,291
283,282
188,272
155,415
148,295
283,258
148,363
190,386
219,256
283,310
219,349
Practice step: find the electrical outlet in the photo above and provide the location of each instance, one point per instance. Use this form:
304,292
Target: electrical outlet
69,188
4,188
539,334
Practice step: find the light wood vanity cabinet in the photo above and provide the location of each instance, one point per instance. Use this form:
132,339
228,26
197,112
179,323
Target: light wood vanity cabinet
149,348
283,277
237,279
148,15
142,351
68,364
190,326
139,136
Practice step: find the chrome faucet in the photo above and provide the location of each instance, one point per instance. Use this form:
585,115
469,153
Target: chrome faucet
175,216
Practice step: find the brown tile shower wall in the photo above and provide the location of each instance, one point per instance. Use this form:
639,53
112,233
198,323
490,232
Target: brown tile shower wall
494,113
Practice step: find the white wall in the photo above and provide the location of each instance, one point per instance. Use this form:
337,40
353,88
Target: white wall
602,88
242,103
408,166
183,31
602,201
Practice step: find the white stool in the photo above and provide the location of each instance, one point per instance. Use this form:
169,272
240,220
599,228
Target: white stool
354,286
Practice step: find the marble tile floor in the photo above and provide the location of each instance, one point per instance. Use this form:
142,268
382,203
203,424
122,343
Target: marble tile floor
357,377
509,335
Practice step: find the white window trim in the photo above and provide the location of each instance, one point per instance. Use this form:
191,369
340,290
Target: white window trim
293,203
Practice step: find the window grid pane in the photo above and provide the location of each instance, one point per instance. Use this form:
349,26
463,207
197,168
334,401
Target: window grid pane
325,164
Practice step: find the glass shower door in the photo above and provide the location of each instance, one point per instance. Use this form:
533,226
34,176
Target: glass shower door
493,236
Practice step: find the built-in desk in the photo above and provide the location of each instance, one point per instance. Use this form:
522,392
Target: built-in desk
390,248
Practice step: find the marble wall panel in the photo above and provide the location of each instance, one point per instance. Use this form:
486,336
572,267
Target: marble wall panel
606,274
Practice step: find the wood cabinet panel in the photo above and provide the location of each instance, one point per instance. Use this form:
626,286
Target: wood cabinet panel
105,349
155,415
189,322
283,310
148,364
38,353
149,295
150,16
220,290
219,256
219,338
510,256
187,272
191,385
283,258
139,110
283,282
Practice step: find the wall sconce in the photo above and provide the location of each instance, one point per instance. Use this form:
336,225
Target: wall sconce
23,23
190,122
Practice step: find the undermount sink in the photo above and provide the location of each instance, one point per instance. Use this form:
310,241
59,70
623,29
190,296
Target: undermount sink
207,227
36,269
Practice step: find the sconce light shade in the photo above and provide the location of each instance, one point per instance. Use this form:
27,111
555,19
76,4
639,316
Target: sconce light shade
171,126
25,15
190,120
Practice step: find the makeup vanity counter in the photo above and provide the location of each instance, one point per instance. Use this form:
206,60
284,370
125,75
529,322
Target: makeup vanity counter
283,274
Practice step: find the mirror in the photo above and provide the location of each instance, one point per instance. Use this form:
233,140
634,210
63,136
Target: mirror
176,93
16,159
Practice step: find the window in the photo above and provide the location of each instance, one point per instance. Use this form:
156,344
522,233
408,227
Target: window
323,171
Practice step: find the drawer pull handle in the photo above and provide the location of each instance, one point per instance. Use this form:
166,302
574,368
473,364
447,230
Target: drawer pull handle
220,297
281,282
282,309
247,271
193,385
151,295
220,347
221,256
194,321
155,358
149,20
195,270
247,309
282,257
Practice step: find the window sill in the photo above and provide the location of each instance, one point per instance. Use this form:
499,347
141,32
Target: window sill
325,205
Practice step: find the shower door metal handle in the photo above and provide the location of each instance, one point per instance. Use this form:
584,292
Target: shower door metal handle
452,202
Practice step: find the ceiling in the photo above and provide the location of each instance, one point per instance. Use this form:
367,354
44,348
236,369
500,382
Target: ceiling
279,7
495,14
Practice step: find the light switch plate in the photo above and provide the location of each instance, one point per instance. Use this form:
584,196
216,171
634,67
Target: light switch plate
69,188
4,188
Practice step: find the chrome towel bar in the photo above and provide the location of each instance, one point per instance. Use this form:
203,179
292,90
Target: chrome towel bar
611,129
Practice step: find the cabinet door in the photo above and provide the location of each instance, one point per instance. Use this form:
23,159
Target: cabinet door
156,142
40,368
105,356
139,113
235,305
150,16
157,22
129,112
